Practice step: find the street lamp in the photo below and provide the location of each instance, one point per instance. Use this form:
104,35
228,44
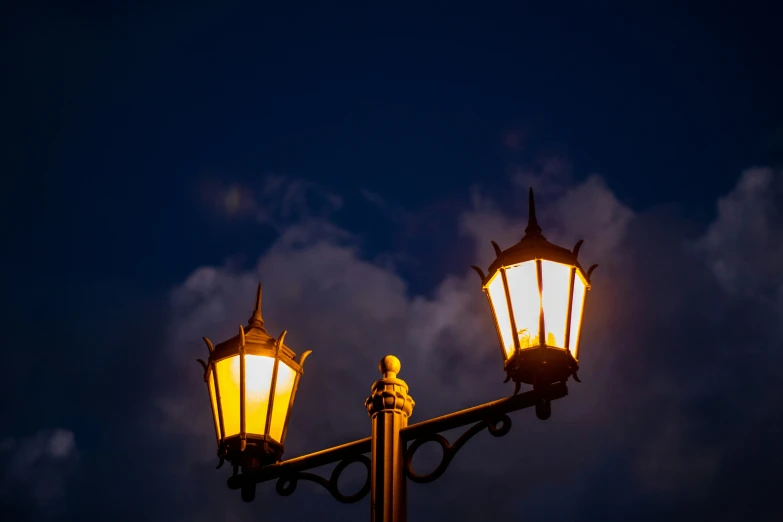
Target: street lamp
536,291
252,380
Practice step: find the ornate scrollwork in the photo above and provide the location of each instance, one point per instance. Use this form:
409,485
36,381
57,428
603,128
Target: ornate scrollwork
286,484
497,427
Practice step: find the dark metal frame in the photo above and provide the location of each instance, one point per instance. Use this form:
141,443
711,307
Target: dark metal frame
493,416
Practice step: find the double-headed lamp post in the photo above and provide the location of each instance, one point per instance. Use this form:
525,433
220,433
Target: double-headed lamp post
536,292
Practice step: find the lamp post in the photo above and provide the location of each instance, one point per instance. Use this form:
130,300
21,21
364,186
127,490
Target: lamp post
536,291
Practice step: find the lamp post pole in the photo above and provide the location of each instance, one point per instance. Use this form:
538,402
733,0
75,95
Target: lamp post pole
389,406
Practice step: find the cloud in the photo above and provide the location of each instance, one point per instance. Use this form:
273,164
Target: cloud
395,213
36,469
671,461
744,245
549,175
588,210
276,200
514,140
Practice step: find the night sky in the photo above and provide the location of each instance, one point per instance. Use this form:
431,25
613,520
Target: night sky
160,160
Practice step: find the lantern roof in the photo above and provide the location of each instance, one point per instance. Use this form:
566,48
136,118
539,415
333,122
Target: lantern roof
254,334
534,246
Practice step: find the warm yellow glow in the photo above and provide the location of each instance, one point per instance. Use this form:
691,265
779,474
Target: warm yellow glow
228,383
283,389
213,400
497,295
554,299
258,381
525,301
576,313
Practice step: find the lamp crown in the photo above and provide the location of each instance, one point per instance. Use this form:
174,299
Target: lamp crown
532,223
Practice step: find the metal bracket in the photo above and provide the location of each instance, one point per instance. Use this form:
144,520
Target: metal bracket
286,484
497,427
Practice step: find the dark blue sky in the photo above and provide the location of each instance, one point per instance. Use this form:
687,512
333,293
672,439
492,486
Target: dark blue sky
125,123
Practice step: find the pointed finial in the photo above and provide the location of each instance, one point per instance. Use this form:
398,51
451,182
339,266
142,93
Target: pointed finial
532,223
255,319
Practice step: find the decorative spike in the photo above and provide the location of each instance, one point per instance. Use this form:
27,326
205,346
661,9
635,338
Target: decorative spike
281,338
517,386
576,377
532,223
577,247
508,378
220,464
479,272
590,271
497,248
256,319
242,335
209,344
204,365
303,357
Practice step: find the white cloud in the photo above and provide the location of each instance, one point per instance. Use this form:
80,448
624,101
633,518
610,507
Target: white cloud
550,176
393,212
744,244
276,200
672,460
567,213
38,467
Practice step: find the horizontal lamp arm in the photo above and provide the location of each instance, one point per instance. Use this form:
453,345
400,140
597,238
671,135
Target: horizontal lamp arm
303,463
488,411
352,450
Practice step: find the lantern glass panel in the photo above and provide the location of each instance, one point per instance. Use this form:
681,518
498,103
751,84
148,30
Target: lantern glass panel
525,301
258,381
554,299
497,296
213,401
228,383
283,389
580,289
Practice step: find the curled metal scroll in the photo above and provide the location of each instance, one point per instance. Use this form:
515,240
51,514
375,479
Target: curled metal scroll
287,483
450,450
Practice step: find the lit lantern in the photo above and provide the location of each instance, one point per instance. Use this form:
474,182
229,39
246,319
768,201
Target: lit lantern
536,291
252,380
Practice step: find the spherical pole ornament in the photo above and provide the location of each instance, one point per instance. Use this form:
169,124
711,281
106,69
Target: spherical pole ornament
389,367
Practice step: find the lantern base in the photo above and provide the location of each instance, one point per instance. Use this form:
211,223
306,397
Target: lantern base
256,453
541,366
